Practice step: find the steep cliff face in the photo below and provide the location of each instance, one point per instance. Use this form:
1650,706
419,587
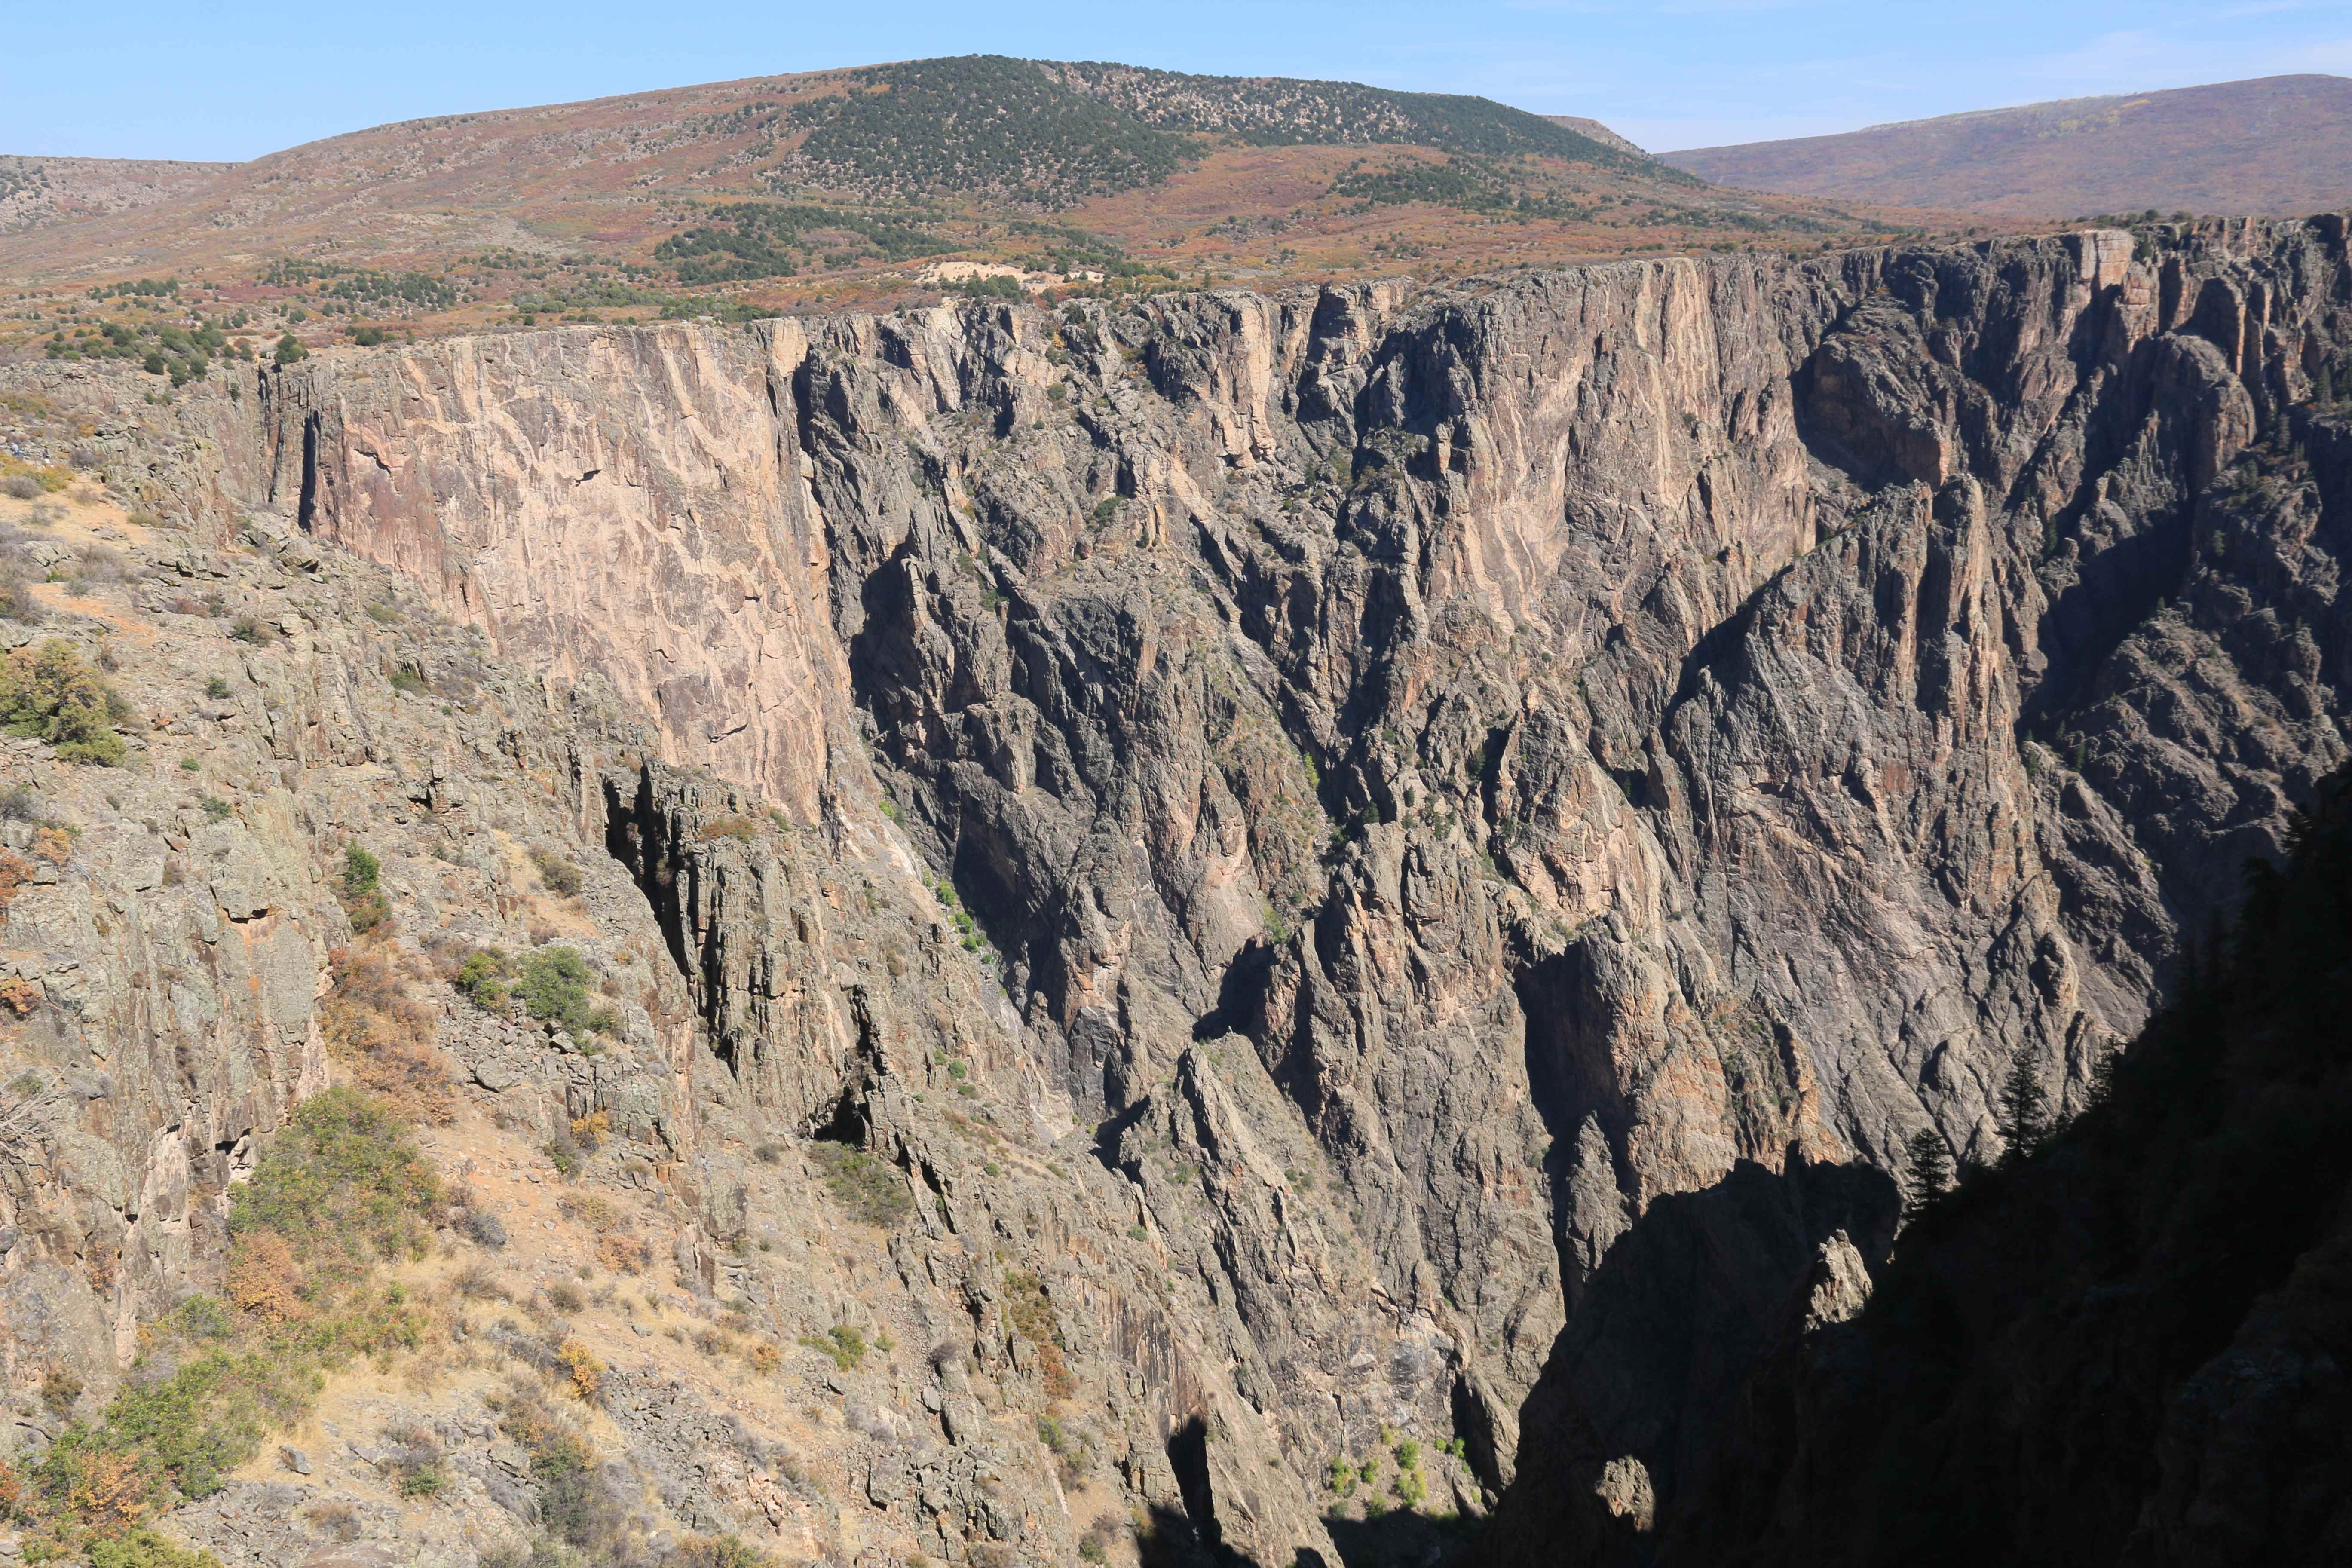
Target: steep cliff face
1432,776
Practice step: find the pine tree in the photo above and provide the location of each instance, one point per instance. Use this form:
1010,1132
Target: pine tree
2024,1111
1929,1176
2102,1075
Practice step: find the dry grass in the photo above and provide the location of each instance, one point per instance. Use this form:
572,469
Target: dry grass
383,1035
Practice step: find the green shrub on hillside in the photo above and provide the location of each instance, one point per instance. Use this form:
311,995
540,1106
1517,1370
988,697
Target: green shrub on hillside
50,693
553,985
484,977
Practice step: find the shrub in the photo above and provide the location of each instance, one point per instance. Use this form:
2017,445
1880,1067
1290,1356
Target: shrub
483,1228
51,694
361,872
363,898
340,1181
553,985
585,1373
17,601
872,1190
589,1132
215,807
60,1389
142,1548
562,1469
14,872
484,977
624,1253
289,348
718,1551
1032,1312
417,1470
21,487
254,630
216,688
409,682
556,873
844,1344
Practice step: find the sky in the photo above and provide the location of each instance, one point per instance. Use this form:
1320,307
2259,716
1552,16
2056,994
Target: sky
210,79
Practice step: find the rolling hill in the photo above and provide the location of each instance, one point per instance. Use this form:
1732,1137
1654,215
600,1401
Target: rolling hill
848,188
2277,145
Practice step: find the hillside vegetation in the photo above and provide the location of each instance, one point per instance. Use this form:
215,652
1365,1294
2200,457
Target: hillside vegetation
850,188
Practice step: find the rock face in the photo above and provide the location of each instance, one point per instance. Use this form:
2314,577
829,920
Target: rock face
1468,796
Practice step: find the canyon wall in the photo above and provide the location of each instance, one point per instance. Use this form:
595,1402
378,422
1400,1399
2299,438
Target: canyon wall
1433,775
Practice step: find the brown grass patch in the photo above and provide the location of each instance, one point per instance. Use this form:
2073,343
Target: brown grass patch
383,1035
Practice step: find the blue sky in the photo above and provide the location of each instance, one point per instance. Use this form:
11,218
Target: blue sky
205,78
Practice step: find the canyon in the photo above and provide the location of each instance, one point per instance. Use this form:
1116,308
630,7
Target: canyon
1372,868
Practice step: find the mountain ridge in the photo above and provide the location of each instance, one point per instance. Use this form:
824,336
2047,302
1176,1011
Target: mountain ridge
2268,145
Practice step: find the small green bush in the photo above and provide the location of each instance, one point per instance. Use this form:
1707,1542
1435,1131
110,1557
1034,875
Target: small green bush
142,1548
289,347
409,682
216,688
342,1177
52,694
485,977
844,1344
362,900
553,984
559,876
254,630
718,1551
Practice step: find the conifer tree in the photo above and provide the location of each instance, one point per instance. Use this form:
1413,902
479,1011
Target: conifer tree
1929,1175
2024,1111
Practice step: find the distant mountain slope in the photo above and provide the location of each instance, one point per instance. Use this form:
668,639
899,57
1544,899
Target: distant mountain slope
1050,135
43,190
2279,145
1597,132
1277,112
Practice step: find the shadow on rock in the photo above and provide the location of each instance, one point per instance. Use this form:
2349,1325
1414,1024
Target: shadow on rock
1644,1379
